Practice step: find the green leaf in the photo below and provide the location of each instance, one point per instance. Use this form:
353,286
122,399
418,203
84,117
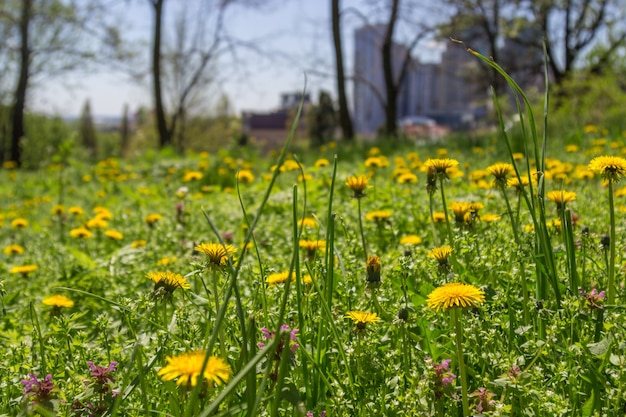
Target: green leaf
599,349
587,409
82,258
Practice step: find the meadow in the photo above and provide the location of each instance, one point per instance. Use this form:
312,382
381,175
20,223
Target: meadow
437,280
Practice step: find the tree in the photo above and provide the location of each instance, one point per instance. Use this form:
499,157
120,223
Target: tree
46,38
572,27
181,66
321,120
478,23
125,133
87,131
345,120
19,101
165,134
394,78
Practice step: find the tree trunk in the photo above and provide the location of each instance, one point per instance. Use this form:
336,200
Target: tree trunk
125,133
165,137
345,121
493,34
17,122
391,110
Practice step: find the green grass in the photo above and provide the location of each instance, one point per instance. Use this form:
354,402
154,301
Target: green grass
537,346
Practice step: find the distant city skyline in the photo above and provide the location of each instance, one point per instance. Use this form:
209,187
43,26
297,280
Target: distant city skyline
302,46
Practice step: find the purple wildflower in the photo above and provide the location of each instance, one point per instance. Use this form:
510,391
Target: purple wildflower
41,390
595,299
101,374
483,400
102,378
442,377
267,335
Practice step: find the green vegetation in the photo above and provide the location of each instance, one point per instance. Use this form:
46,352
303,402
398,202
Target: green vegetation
295,285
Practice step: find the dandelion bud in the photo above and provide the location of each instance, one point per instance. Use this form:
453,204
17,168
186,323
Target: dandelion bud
403,314
373,269
605,241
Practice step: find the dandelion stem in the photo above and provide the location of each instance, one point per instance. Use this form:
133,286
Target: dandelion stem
459,350
611,283
361,230
525,296
432,220
214,278
445,213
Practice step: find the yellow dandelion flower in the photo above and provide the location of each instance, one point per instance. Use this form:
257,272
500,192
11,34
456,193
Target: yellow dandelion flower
322,162
402,169
114,234
75,211
621,192
102,212
58,301
441,165
612,168
462,208
279,278
441,254
501,172
411,240
192,176
407,178
138,244
166,260
376,162
478,175
518,156
13,250
19,223
373,151
57,210
188,366
572,148
81,233
490,217
581,172
362,318
555,224
290,165
217,254
169,281
245,176
561,197
23,269
312,245
151,219
358,184
455,294
439,217
378,215
308,222
97,223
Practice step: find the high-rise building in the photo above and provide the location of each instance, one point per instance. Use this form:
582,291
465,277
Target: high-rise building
369,80
454,91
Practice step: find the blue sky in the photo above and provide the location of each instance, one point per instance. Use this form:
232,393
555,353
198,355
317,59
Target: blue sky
294,36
